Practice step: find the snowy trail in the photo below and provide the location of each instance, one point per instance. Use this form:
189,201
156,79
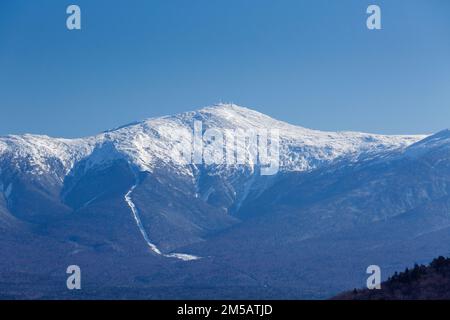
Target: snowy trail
153,247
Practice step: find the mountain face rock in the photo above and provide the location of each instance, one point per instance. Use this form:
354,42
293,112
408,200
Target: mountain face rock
124,201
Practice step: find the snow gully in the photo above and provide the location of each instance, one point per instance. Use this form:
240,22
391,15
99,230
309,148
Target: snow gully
153,247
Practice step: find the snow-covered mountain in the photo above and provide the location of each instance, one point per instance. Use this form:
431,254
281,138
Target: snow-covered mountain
57,165
150,143
125,195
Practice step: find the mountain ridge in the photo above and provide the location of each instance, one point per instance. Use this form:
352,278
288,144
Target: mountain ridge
129,139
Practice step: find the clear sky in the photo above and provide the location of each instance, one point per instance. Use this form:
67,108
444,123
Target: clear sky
309,62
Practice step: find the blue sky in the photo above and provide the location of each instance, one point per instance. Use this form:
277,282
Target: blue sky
312,63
